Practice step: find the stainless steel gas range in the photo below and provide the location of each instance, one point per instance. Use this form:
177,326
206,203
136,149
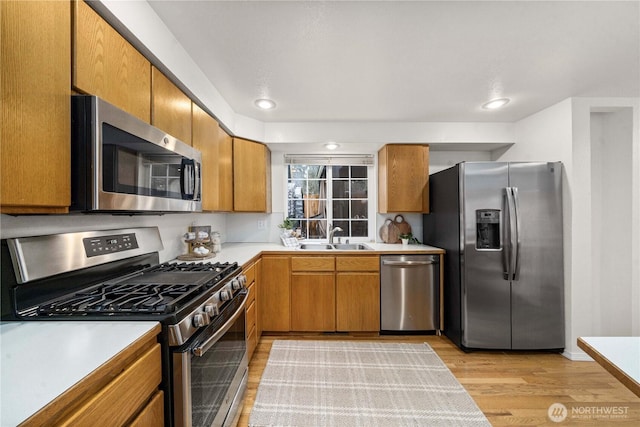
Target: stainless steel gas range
116,275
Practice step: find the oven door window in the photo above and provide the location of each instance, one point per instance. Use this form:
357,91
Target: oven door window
211,380
131,165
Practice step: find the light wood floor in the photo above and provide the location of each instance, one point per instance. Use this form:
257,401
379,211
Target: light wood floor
512,389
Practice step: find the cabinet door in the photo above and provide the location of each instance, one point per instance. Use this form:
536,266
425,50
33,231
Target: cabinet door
106,65
205,139
274,294
36,106
313,302
224,200
403,178
358,302
170,107
251,176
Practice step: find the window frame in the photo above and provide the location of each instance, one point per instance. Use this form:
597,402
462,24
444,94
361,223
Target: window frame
371,197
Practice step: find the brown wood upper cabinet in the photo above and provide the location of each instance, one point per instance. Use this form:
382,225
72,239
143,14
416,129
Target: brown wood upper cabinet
225,171
106,65
216,148
403,178
36,129
170,107
251,176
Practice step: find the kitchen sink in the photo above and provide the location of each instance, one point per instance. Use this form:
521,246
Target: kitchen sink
352,247
315,247
338,247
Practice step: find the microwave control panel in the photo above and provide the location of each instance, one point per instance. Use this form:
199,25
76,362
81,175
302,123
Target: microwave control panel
95,246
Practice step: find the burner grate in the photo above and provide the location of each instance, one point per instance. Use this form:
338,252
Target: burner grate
218,270
156,298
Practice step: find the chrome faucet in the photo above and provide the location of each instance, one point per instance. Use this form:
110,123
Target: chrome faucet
332,232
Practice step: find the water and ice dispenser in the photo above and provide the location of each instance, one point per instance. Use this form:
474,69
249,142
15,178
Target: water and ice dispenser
488,229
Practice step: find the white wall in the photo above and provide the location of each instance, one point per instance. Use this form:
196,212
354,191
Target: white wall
611,209
601,162
171,226
598,156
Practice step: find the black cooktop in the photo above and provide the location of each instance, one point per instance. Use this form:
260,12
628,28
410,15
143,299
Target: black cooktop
164,288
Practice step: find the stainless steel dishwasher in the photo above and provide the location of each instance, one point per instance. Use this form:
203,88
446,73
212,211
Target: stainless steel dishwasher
409,288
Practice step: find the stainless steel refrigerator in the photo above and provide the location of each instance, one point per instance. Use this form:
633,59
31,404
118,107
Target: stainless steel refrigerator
501,227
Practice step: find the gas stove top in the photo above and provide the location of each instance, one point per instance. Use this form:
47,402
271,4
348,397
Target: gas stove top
113,275
164,288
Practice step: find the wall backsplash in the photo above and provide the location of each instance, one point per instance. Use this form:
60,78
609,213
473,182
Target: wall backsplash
171,226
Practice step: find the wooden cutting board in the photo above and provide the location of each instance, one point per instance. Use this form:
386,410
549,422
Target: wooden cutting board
384,230
392,229
402,226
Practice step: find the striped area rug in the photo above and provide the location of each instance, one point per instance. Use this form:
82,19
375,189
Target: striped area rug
347,383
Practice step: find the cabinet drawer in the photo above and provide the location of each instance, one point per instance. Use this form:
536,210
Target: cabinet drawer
251,316
122,397
251,274
251,296
252,342
313,263
358,263
151,415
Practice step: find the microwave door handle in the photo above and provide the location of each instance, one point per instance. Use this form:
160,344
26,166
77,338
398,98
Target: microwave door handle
186,179
197,187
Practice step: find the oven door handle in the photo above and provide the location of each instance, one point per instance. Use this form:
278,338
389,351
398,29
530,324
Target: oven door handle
202,349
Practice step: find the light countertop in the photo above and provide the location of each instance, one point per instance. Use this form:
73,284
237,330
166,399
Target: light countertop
245,252
618,355
40,360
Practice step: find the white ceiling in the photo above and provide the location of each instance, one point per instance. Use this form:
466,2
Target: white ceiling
413,61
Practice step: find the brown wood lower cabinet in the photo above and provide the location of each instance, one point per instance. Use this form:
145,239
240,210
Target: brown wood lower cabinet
251,309
319,293
123,391
274,293
313,302
358,302
358,293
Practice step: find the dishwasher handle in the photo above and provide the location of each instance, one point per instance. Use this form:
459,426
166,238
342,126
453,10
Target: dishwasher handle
407,263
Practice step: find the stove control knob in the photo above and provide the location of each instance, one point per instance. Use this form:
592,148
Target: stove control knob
243,279
211,310
225,295
236,284
199,321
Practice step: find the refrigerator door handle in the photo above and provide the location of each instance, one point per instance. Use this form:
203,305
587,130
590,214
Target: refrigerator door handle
512,227
506,236
516,268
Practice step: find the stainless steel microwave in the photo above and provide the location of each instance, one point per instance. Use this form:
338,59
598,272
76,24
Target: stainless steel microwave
122,164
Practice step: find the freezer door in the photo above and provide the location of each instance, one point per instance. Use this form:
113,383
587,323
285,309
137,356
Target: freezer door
486,300
537,301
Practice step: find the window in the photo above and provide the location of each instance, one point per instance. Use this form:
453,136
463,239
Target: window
321,196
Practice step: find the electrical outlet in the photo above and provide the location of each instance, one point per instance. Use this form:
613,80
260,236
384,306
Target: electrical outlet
262,224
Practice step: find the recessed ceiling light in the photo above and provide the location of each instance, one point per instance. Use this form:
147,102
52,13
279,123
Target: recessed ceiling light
265,104
331,145
495,103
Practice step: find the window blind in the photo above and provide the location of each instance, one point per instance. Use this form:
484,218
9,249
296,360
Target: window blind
334,159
